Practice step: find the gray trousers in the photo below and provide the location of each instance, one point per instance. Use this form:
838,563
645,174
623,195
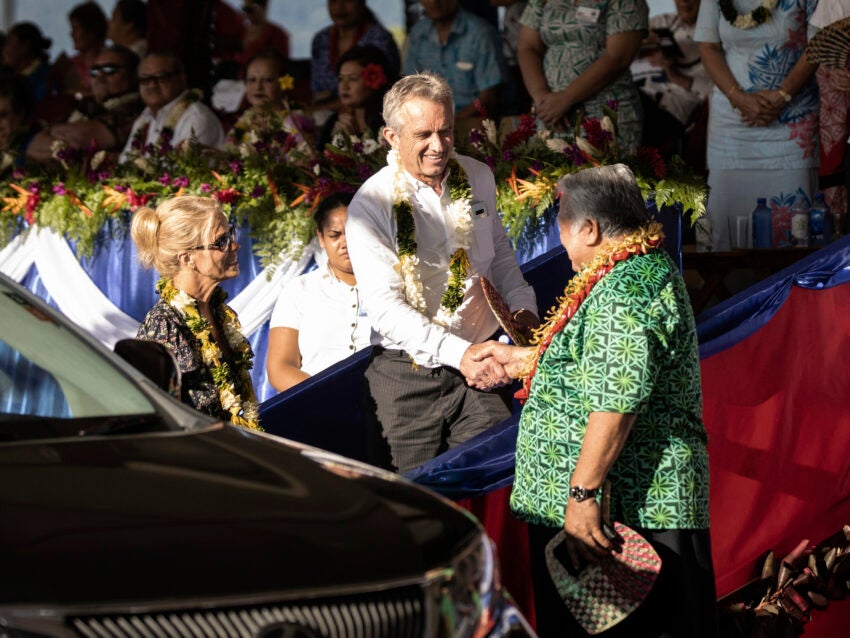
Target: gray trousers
417,413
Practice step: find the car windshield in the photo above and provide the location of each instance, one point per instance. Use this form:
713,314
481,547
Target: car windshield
50,376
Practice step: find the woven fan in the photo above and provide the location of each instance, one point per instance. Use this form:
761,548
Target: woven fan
502,312
831,46
604,594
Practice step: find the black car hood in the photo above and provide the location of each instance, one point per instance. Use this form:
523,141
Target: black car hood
216,513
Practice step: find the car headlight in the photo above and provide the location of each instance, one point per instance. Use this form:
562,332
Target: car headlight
467,593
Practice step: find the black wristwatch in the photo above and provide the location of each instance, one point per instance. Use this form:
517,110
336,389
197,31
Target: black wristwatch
579,493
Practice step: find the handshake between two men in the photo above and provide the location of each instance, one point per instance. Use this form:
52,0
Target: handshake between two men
492,364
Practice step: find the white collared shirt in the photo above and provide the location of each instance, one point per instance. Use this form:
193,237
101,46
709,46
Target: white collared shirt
328,316
371,236
198,120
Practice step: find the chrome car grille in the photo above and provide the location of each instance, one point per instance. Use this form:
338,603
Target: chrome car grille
395,614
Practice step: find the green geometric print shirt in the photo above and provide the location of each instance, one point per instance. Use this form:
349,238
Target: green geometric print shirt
632,349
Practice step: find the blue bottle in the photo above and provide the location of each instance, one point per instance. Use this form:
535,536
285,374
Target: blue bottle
762,225
820,222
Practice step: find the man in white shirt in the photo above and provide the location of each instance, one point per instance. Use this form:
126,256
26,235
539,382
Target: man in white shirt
421,233
172,114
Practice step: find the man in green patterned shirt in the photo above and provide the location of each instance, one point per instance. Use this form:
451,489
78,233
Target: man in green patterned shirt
616,395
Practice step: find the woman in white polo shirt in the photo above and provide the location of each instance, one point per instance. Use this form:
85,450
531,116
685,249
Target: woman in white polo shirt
318,319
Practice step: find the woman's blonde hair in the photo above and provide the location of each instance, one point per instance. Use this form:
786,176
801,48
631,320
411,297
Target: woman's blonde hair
177,225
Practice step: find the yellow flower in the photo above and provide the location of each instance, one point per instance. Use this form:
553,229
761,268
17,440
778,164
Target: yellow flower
286,82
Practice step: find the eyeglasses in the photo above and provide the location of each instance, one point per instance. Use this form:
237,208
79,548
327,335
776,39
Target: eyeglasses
158,78
223,243
105,69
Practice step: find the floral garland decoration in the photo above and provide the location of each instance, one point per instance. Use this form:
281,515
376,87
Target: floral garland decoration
757,16
641,242
163,142
460,212
235,390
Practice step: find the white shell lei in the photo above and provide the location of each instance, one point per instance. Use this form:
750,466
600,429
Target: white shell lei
460,237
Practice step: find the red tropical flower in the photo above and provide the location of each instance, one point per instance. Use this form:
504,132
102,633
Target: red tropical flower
373,76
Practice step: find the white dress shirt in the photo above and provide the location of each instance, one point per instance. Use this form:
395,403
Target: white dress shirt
328,316
371,235
198,120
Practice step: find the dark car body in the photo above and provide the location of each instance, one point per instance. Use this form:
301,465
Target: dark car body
125,513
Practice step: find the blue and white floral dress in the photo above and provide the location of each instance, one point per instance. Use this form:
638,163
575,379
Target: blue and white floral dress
778,162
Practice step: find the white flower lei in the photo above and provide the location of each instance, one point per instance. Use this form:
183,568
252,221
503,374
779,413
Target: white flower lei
460,238
747,21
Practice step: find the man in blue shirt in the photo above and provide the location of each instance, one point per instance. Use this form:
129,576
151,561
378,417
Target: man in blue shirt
461,47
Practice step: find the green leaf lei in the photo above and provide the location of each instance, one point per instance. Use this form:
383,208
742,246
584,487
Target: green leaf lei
459,267
235,389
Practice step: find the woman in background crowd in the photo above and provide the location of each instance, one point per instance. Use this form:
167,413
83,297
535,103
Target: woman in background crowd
88,31
364,77
318,320
267,113
15,132
260,34
25,53
576,59
762,128
353,24
190,244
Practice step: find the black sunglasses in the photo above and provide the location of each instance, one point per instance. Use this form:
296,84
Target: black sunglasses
105,69
223,243
158,78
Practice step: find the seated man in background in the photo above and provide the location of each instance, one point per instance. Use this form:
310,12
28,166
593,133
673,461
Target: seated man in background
671,75
173,114
463,48
104,119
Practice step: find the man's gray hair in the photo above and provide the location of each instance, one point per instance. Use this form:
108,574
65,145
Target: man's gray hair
426,86
608,194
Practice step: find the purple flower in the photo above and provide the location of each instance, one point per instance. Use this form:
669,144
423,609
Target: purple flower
490,161
280,136
34,188
181,182
357,147
508,156
259,147
573,152
165,148
475,136
614,105
537,166
149,149
102,175
205,188
165,179
258,191
236,167
19,173
59,188
364,172
121,188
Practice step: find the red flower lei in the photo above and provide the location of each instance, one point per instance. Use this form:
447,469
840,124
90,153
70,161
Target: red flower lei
641,242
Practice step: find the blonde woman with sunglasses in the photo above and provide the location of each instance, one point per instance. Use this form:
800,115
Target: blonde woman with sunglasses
191,245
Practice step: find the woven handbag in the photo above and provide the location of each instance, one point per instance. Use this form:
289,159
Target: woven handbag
603,594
